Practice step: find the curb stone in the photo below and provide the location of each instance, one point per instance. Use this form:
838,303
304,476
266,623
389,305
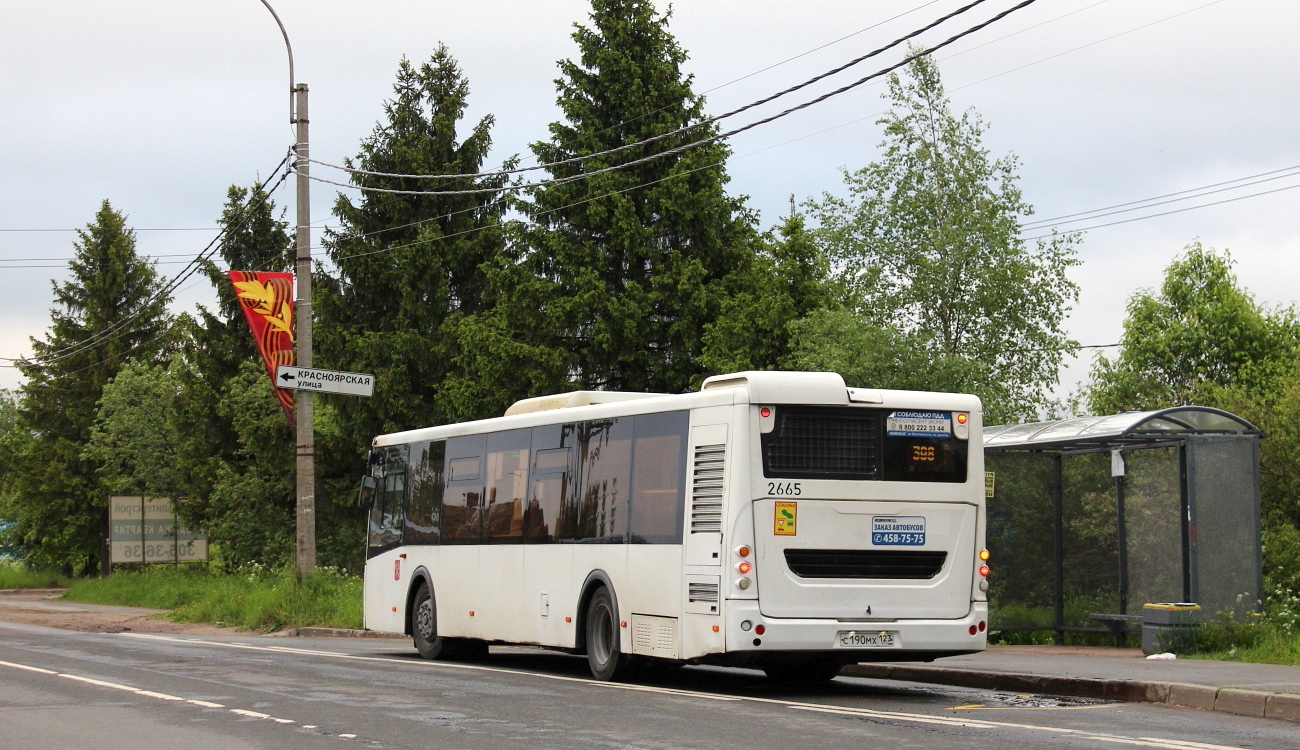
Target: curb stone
332,633
1284,706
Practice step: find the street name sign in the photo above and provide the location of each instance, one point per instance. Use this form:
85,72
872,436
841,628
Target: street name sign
324,381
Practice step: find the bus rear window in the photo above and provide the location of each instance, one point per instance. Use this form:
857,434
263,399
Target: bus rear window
859,443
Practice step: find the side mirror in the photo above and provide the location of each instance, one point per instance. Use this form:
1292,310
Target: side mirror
366,497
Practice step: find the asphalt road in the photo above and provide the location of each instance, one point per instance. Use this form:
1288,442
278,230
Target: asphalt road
63,689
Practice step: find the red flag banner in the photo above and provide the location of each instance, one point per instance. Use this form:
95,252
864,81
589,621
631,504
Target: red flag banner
267,301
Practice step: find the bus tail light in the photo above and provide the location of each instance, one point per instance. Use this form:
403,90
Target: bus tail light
743,550
984,571
744,567
743,584
984,555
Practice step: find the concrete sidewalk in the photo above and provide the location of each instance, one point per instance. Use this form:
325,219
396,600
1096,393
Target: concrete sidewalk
1264,690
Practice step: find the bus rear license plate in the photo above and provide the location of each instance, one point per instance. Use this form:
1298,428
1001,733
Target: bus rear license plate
869,639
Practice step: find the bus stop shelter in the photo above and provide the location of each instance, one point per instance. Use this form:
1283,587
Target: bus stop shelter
1092,517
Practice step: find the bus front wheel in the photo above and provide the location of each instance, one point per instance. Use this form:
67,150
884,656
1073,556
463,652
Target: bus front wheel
424,625
604,657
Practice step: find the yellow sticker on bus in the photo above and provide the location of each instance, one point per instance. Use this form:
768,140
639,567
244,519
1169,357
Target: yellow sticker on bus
785,517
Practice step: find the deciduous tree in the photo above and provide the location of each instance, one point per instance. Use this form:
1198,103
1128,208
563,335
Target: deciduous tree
927,248
1201,330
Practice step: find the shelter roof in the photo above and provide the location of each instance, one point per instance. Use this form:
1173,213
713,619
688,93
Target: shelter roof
1116,430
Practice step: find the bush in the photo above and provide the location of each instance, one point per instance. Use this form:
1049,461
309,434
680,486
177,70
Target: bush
1271,637
15,575
253,598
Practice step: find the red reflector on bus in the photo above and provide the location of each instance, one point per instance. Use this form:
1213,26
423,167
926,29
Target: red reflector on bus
973,630
759,629
962,418
982,626
765,412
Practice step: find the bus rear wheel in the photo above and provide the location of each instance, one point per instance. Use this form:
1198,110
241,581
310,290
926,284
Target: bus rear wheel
604,657
424,625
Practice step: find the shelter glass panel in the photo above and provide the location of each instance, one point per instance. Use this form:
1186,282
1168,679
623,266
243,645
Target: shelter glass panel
1225,532
1020,524
1152,526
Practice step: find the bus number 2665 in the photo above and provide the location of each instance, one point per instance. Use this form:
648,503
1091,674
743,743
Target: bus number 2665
784,488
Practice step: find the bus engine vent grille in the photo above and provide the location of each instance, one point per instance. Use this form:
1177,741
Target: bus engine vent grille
865,563
823,443
706,488
702,592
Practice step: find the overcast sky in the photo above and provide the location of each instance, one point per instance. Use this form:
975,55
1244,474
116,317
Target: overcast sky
160,106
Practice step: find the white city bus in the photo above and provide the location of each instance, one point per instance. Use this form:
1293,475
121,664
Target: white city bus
773,519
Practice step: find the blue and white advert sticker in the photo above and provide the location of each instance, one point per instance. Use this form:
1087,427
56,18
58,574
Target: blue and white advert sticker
903,531
919,424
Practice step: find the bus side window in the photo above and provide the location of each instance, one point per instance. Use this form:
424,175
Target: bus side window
605,451
462,517
658,478
387,515
507,485
424,493
548,517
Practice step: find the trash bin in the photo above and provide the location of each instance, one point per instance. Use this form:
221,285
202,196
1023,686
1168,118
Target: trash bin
1169,626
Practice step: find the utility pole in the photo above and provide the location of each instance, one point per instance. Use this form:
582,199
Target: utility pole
303,421
305,464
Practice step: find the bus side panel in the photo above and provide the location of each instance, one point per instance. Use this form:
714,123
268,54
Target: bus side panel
652,586
456,590
548,571
384,592
501,611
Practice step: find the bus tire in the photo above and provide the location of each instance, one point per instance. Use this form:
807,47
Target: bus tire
604,655
424,625
802,673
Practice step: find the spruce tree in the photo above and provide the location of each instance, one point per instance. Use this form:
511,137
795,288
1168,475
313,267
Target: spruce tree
110,312
219,354
412,296
633,264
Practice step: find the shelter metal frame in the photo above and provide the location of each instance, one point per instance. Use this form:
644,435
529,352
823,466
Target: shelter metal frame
1172,427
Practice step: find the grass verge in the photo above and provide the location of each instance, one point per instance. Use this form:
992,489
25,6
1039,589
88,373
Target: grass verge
252,601
15,575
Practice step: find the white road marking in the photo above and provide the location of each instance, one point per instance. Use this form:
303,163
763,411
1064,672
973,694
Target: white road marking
38,670
148,693
818,707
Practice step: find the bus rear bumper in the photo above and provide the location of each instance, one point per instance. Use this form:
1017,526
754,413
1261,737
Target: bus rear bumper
898,640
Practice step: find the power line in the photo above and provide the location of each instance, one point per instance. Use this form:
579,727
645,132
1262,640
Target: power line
693,126
1190,193
687,146
193,266
133,229
1167,213
1090,44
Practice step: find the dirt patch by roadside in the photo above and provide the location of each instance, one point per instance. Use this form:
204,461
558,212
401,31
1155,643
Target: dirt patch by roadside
44,607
